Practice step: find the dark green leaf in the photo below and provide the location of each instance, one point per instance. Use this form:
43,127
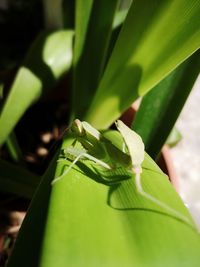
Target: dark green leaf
161,107
93,30
16,180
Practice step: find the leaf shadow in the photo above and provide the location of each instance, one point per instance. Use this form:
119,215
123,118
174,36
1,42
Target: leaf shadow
114,188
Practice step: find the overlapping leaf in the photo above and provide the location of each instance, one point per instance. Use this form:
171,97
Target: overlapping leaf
161,107
154,40
48,59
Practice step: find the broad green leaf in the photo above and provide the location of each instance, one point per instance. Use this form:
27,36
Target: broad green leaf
161,107
81,222
155,38
83,10
16,180
82,16
116,28
48,59
94,22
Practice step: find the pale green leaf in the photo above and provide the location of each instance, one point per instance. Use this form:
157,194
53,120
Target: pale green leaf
48,59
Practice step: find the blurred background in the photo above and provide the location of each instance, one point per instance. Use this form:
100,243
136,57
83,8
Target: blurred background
186,154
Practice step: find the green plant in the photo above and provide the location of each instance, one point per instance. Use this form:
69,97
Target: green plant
115,59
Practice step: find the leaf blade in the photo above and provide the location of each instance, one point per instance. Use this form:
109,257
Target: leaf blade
18,181
91,45
43,66
121,227
161,107
133,68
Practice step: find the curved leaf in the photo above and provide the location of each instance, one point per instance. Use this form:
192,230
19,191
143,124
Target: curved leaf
155,38
81,222
48,59
161,107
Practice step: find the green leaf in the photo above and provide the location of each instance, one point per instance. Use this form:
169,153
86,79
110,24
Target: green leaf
16,180
119,18
155,38
161,107
116,28
84,223
48,59
14,149
93,30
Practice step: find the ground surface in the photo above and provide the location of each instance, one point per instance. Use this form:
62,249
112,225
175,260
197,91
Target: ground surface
186,155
